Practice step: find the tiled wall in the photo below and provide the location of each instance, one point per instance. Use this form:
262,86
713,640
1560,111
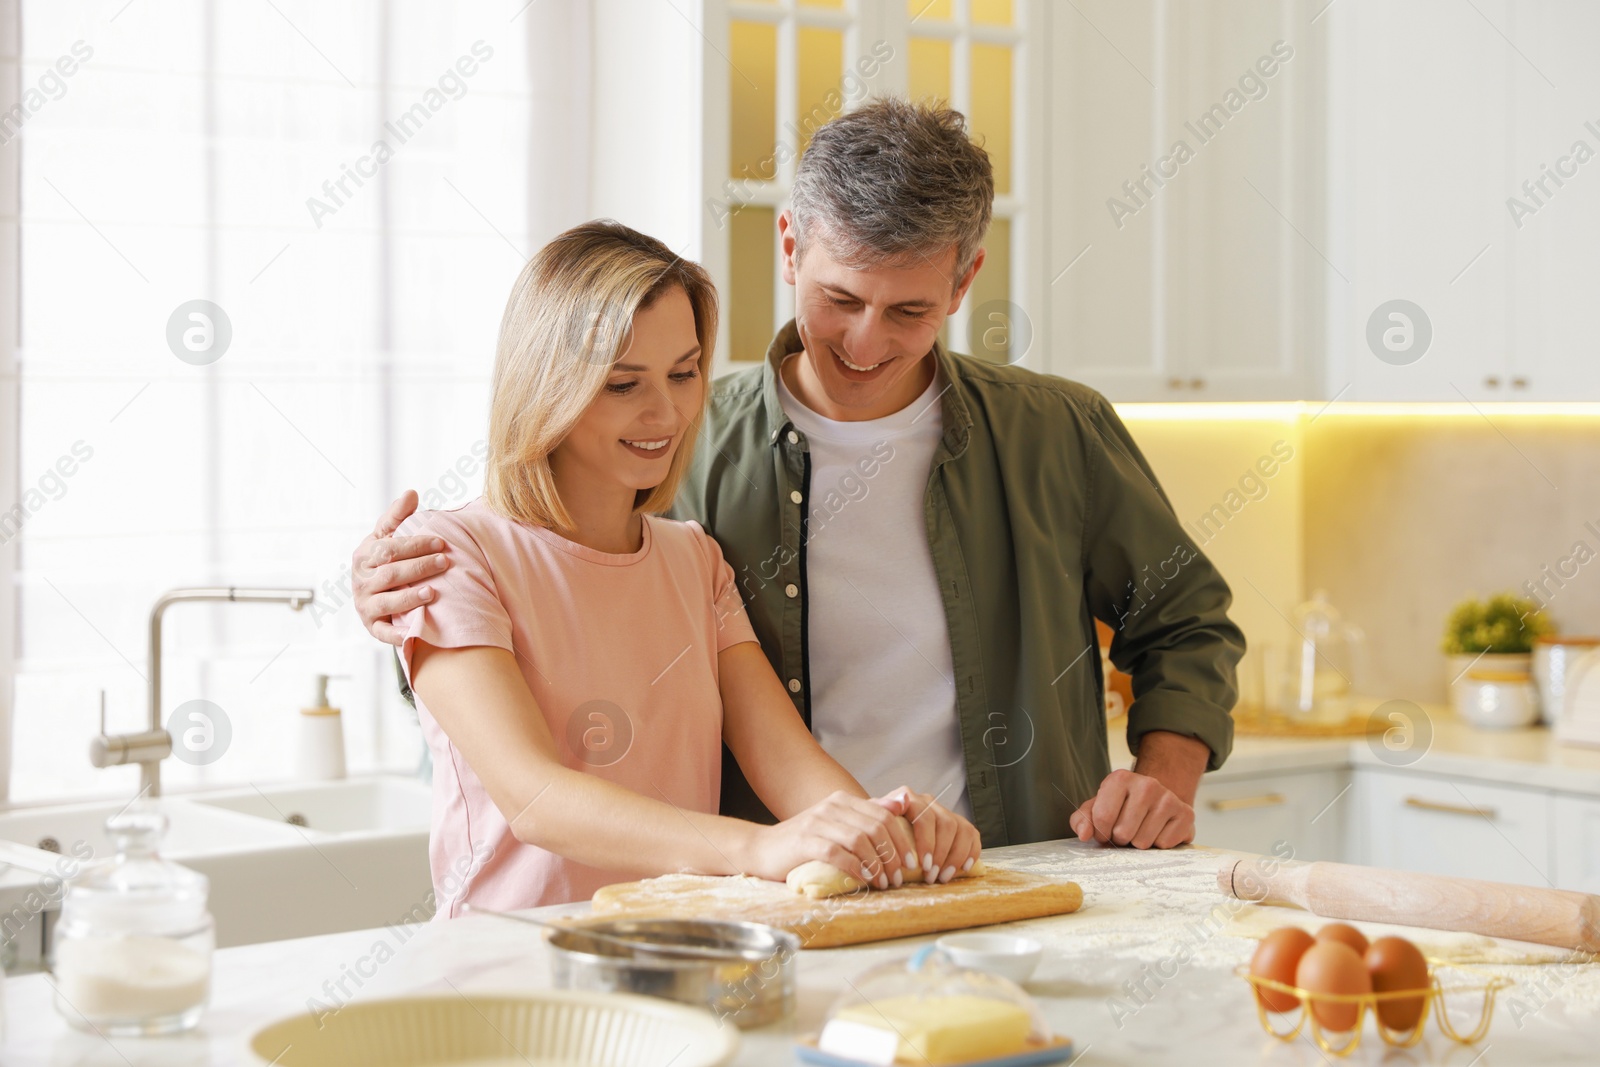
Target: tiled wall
1247,523
1396,516
1404,517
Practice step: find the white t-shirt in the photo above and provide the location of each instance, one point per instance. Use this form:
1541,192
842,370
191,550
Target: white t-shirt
883,698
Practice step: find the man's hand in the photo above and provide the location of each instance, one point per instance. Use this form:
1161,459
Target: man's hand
1150,806
383,568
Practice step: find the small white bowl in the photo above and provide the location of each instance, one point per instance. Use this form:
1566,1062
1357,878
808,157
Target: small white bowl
1003,954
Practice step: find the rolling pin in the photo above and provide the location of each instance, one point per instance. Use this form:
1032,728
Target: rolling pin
1553,917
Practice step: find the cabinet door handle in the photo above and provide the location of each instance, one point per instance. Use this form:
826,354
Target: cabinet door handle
1264,800
1450,809
1197,383
1174,383
1519,382
1492,382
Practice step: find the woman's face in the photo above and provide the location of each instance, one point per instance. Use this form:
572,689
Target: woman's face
627,437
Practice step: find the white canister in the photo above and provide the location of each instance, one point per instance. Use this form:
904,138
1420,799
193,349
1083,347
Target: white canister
133,944
1497,700
1553,656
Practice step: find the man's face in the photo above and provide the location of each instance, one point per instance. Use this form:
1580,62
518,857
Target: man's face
868,334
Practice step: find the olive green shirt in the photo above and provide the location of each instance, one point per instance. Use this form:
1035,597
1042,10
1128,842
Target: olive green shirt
1042,516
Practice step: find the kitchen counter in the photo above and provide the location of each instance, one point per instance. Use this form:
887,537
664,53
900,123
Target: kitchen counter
1526,757
1140,975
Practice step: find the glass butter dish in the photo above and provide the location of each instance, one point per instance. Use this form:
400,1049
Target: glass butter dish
929,1011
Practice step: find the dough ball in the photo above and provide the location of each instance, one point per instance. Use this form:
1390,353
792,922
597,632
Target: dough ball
816,879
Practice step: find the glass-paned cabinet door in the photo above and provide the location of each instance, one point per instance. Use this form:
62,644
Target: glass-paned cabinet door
792,65
965,53
752,100
789,66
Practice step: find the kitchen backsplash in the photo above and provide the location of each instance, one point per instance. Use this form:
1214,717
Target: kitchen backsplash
1396,516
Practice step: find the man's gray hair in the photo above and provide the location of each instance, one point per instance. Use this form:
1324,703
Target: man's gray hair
894,182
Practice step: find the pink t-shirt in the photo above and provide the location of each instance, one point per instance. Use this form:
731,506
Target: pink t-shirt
619,651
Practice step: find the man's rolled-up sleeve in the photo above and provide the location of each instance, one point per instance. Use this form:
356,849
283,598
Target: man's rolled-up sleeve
1166,603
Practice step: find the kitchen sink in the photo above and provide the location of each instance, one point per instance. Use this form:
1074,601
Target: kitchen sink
373,805
288,860
358,859
79,831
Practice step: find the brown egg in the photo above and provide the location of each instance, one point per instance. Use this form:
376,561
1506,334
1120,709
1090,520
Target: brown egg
1395,963
1276,958
1333,967
1345,933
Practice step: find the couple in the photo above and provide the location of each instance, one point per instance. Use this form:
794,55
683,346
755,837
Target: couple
907,553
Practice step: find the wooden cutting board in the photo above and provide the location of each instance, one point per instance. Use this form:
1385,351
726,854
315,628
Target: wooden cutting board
997,896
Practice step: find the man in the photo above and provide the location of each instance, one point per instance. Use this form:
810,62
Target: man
925,540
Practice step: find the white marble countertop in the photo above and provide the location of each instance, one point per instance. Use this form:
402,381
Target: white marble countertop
1108,980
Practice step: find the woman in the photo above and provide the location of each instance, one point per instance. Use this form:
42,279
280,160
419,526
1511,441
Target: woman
586,659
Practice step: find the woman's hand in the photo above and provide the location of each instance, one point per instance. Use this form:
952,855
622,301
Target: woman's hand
861,837
945,842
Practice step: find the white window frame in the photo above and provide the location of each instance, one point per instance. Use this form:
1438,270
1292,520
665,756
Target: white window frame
10,393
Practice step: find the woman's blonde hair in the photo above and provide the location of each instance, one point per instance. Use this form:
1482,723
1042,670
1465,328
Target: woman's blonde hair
568,319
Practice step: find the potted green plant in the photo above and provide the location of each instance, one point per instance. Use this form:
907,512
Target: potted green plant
1490,643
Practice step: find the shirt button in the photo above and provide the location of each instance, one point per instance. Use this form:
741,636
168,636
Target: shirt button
791,591
794,495
794,438
794,685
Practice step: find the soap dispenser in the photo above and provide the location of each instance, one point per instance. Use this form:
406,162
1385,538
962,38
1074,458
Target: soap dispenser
320,749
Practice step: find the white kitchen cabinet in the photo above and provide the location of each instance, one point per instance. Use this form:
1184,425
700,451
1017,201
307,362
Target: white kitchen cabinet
1553,266
1413,821
1365,169
1370,171
1401,227
1428,151
1188,286
1410,820
1101,310
1306,809
734,90
1575,852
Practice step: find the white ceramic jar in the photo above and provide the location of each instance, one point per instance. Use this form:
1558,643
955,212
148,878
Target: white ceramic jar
1496,700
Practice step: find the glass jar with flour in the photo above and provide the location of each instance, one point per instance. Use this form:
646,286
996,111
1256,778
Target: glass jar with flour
132,949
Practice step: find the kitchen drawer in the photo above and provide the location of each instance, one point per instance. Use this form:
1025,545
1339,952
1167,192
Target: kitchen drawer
1305,810
1440,825
1575,856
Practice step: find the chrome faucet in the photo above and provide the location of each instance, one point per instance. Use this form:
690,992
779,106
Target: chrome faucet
149,747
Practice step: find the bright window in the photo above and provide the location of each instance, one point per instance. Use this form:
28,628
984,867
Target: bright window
230,153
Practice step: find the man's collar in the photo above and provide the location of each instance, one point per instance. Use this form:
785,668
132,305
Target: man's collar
786,342
952,402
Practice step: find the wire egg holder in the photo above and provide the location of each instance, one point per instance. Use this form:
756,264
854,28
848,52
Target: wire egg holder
1433,998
